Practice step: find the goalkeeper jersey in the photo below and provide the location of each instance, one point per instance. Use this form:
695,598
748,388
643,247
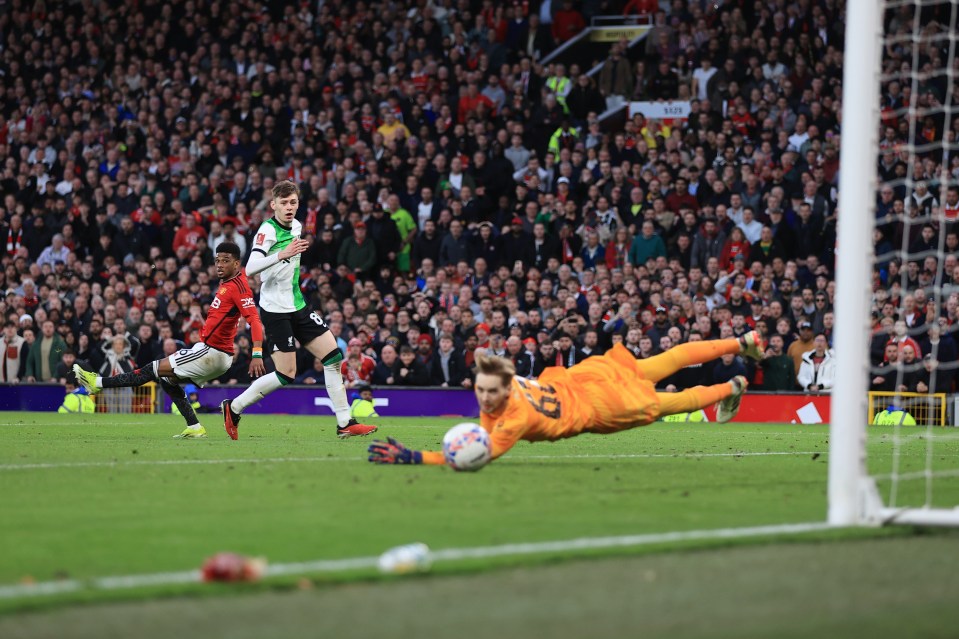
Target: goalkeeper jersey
280,283
601,394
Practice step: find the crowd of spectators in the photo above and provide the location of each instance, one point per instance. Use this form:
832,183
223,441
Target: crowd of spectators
459,192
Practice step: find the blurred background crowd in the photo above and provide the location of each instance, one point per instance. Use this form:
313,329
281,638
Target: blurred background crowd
459,191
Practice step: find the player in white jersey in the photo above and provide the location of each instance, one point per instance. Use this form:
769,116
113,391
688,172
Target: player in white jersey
287,318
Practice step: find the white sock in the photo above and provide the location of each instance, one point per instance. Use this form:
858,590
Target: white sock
260,388
99,381
337,392
194,427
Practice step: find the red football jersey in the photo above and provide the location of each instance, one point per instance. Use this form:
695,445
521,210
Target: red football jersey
233,299
364,372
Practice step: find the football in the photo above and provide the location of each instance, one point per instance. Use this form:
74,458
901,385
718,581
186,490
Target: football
466,447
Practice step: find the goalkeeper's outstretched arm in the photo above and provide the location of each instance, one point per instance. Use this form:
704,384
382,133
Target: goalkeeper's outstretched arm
393,452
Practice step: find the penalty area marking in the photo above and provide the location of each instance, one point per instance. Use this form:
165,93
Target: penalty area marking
297,460
125,582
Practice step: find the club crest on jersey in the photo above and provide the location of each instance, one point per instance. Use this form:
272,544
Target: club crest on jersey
222,291
260,238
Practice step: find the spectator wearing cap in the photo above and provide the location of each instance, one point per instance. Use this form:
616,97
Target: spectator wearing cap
447,368
646,246
660,326
424,349
482,332
358,366
566,352
802,345
358,253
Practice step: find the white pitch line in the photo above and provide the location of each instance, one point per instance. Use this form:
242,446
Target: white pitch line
125,582
169,462
666,455
295,460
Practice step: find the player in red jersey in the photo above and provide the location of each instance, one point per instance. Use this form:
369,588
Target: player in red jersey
211,356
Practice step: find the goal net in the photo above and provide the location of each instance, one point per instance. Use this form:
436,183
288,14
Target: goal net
896,269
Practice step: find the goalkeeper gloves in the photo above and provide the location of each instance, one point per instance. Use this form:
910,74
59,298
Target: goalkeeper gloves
393,452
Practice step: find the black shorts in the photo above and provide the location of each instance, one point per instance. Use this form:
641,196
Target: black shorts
281,329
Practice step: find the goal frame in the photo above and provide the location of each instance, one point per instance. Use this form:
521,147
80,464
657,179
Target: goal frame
853,496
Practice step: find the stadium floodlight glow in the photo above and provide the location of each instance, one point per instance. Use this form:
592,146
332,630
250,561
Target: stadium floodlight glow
854,495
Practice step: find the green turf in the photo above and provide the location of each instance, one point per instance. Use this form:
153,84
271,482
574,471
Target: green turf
117,498
875,589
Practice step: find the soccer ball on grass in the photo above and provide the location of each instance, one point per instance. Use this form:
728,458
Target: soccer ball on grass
467,447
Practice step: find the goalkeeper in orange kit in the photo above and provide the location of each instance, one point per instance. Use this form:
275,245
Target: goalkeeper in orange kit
606,394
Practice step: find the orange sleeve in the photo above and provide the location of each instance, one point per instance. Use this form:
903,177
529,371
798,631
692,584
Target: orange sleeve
433,458
505,435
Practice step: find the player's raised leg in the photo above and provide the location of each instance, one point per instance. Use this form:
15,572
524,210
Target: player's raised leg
94,383
161,371
729,395
678,357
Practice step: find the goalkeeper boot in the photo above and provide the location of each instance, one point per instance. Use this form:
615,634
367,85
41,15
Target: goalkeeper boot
354,429
192,432
231,420
86,379
730,406
751,345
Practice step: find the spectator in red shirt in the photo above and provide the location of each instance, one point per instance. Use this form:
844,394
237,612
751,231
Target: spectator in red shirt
358,366
642,7
681,197
472,102
735,245
188,234
567,23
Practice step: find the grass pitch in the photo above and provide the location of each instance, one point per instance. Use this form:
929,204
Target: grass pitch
86,497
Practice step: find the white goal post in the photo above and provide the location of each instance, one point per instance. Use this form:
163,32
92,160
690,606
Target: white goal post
853,495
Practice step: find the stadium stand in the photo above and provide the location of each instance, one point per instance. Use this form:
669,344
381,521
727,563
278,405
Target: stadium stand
500,210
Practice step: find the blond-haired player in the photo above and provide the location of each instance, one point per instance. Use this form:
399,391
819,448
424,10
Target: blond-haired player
606,394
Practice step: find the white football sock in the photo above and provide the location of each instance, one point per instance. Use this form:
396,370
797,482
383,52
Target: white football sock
260,388
337,392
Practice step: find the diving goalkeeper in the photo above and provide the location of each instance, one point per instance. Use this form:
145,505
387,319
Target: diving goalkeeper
606,394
